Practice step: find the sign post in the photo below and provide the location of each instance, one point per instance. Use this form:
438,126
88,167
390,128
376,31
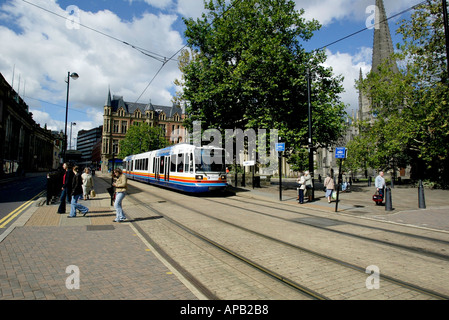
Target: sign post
340,153
249,164
280,147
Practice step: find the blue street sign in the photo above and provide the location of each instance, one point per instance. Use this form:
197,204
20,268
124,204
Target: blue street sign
340,153
280,147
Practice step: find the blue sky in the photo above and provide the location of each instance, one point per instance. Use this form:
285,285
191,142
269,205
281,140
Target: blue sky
40,48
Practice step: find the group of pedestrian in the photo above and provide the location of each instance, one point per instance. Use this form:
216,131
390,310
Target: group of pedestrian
306,185
76,186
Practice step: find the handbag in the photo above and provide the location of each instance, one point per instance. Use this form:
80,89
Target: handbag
377,197
92,193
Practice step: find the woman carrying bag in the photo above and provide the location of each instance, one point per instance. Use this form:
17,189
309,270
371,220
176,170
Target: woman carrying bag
329,185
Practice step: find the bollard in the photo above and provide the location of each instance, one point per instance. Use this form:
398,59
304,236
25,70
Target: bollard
421,197
388,202
369,181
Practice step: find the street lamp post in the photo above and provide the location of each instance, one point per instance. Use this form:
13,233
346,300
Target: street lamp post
74,76
309,107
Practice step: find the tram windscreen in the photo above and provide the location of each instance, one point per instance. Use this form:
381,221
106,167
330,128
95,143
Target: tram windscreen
209,160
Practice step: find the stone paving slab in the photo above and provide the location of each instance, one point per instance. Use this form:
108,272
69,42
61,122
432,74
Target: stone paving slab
113,261
113,264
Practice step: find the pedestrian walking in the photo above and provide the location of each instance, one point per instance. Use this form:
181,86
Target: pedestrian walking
66,193
301,187
88,183
329,185
380,186
309,186
77,193
121,185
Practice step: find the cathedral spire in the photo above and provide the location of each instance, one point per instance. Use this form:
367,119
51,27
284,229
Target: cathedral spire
383,44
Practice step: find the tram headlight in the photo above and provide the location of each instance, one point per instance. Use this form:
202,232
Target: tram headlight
223,177
199,177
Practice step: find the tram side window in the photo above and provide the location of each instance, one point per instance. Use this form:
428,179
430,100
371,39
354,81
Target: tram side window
186,163
180,162
191,163
173,163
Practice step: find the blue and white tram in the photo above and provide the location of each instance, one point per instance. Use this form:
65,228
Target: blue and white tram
182,167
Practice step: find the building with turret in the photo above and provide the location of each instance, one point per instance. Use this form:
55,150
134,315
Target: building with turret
120,115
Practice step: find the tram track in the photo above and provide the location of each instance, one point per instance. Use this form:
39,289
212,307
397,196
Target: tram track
304,290
287,208
241,257
423,251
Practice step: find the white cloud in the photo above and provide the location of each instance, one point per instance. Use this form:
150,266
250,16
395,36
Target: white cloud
160,4
190,8
349,67
43,49
45,119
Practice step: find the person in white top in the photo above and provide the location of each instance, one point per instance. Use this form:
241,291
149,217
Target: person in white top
302,186
88,183
380,183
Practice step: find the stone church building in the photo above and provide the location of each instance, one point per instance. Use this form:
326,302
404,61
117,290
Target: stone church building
382,50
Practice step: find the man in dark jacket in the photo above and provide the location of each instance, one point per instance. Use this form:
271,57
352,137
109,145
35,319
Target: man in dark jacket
66,194
77,193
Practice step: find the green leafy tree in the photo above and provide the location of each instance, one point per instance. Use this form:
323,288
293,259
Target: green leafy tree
142,138
425,49
248,69
299,161
410,109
